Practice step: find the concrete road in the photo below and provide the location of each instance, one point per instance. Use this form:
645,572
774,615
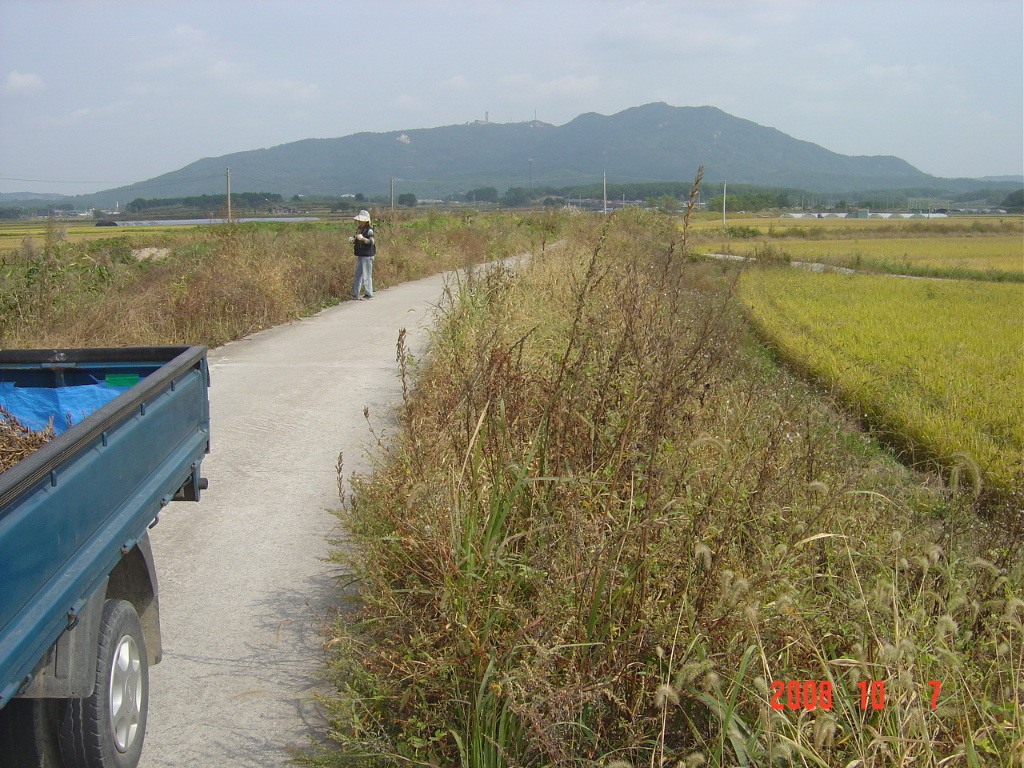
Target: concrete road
243,589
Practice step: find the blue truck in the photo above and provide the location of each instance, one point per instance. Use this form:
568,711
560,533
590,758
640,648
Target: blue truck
79,610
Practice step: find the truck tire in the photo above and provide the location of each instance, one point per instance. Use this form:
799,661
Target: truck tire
28,734
106,729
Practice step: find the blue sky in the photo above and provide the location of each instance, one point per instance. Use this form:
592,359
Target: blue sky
100,93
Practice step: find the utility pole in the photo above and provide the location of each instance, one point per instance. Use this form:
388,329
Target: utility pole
392,193
723,201
228,178
604,189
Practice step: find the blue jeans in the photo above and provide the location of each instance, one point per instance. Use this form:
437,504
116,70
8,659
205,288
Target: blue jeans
364,276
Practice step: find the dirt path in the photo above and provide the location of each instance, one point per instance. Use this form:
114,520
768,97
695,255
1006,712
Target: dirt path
242,585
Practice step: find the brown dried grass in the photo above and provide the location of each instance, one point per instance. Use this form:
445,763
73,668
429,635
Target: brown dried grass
222,282
18,441
612,522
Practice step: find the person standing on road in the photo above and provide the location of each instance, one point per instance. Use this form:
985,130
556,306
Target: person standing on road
365,249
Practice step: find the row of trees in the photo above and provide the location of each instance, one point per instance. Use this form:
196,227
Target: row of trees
354,202
206,203
1014,201
665,195
668,196
671,196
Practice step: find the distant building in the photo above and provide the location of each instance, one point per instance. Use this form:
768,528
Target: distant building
864,215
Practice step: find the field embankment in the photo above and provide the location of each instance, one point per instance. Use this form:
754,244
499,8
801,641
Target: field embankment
614,532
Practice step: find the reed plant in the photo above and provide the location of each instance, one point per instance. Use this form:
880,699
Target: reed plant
613,525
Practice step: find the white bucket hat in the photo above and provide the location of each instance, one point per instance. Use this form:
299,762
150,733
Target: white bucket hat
362,216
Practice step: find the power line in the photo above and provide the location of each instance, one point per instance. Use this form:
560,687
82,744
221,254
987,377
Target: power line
62,181
164,183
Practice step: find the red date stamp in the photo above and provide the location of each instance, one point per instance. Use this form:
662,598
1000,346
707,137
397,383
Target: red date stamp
820,694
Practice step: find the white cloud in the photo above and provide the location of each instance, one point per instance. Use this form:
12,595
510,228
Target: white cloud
672,30
566,86
22,84
897,73
226,70
88,113
280,88
570,86
240,79
518,80
190,35
457,83
405,101
183,48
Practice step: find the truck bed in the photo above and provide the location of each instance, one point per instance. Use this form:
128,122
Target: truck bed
72,509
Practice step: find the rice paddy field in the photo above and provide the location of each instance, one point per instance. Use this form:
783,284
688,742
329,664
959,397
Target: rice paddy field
999,253
13,233
990,248
774,226
937,364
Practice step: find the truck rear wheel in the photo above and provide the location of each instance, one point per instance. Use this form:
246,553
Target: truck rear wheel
106,729
28,734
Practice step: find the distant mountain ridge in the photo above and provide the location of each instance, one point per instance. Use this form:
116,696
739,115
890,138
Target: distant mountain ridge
22,196
654,142
1017,179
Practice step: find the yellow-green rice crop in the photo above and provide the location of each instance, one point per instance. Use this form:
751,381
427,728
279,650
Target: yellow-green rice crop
994,252
776,226
936,363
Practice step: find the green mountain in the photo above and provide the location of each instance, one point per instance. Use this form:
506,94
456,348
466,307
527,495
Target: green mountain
655,142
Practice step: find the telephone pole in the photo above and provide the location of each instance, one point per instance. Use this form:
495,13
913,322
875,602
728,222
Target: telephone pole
227,174
723,201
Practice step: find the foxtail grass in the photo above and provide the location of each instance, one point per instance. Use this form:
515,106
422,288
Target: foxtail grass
611,525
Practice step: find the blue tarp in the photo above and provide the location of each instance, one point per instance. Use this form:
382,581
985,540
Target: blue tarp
36,406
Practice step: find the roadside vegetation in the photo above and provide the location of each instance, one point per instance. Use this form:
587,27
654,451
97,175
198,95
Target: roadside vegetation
614,531
211,284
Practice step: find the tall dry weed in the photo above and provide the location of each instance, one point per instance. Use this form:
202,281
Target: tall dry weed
218,283
612,524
